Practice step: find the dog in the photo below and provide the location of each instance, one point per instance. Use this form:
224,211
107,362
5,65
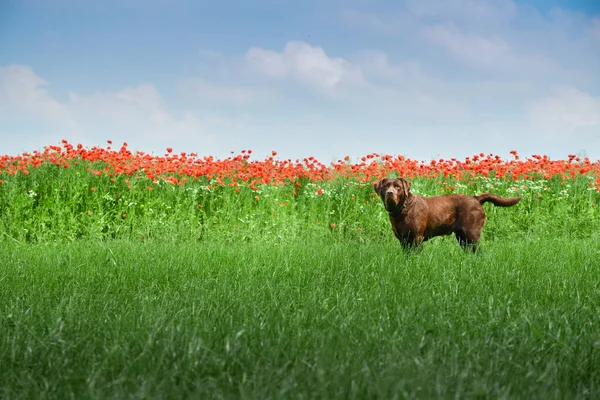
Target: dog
416,219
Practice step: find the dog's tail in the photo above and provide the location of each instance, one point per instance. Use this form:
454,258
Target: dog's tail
497,200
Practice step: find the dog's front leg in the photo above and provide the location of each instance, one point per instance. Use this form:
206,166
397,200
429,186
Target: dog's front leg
410,242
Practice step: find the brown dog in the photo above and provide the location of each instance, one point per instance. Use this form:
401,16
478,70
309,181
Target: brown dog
416,219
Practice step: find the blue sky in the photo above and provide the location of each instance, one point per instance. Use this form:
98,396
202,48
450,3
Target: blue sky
328,78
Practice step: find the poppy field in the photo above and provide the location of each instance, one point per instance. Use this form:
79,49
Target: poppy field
127,274
70,192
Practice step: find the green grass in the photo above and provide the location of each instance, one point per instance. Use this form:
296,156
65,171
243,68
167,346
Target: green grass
57,204
111,290
302,319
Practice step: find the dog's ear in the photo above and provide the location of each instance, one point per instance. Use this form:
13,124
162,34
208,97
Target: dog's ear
406,187
379,185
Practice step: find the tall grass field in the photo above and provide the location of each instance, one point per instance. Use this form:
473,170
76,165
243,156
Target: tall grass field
128,275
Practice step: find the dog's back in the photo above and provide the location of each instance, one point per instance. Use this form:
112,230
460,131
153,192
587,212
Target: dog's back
447,213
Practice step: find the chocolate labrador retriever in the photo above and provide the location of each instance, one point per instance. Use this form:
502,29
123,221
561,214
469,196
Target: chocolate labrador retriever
416,219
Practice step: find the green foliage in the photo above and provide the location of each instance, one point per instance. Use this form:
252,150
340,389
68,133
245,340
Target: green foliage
299,320
54,203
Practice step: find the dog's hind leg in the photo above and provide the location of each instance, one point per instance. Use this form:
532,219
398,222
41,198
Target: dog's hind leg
468,239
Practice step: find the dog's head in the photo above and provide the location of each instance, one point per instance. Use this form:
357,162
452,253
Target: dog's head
393,191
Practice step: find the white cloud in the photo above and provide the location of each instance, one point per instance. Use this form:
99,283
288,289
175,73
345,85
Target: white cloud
144,96
134,114
394,24
510,39
473,49
139,106
408,18
492,53
22,91
203,90
568,111
305,63
376,64
366,82
404,90
471,12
